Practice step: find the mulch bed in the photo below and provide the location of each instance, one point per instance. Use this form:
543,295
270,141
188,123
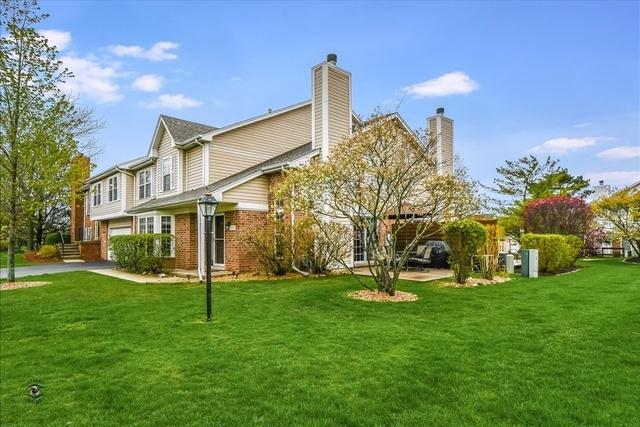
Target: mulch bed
33,257
473,282
9,286
376,296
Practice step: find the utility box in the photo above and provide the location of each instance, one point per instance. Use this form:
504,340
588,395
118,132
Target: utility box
530,263
510,262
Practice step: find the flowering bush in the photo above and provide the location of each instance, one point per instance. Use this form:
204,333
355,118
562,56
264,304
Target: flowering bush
593,239
557,215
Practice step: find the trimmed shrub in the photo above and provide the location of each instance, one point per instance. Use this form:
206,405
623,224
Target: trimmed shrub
4,245
465,239
48,251
54,238
555,251
141,253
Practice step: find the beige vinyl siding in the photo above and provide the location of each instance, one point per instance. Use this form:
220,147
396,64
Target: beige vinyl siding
106,208
120,222
130,183
339,114
317,105
193,169
165,149
238,149
254,191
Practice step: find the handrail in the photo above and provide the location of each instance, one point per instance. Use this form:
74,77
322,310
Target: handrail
62,241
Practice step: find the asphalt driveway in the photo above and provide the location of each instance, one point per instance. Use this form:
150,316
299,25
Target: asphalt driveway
62,267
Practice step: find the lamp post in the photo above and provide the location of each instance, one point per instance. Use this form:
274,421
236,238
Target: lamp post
208,205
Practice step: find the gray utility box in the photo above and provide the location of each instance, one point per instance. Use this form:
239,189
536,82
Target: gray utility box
529,263
510,263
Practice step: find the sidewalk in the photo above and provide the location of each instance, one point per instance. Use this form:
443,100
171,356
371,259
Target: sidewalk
62,267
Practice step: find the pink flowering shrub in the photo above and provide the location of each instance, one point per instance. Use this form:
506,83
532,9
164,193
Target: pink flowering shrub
558,215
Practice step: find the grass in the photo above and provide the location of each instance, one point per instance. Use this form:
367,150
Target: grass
20,260
551,351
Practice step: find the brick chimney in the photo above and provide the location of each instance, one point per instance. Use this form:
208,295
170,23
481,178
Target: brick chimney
330,105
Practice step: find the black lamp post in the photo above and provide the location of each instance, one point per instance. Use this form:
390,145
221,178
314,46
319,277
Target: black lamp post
208,205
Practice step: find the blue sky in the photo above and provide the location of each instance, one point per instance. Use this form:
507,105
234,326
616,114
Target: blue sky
557,78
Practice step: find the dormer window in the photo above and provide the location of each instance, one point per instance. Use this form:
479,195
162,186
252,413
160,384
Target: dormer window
144,184
112,194
97,190
167,168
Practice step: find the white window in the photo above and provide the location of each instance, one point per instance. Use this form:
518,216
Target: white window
144,184
145,225
166,228
96,191
112,194
167,167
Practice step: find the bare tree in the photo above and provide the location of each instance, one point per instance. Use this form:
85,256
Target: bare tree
382,182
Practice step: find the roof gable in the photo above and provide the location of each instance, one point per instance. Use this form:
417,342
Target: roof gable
179,131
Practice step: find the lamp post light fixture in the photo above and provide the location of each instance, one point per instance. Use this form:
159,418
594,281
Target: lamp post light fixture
208,205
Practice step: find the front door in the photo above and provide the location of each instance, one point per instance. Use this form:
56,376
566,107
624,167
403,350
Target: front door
218,241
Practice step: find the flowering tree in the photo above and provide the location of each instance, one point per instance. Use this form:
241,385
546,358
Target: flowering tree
622,211
381,182
557,215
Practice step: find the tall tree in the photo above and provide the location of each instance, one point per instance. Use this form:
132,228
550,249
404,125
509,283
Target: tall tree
381,183
622,211
38,122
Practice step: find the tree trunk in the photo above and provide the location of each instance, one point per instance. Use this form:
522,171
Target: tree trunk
11,249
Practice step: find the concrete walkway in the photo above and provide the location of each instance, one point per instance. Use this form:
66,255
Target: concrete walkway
62,267
418,276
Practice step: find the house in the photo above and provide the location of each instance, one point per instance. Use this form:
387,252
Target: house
239,164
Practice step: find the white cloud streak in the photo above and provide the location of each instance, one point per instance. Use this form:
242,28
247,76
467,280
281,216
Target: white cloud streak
57,38
91,79
620,153
161,51
563,145
455,83
173,102
148,83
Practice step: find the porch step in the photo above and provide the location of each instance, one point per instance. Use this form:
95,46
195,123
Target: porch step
69,251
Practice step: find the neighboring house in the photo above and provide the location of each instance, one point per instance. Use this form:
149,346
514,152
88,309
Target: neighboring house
239,164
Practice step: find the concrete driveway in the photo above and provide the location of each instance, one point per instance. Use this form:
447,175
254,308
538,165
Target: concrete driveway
62,267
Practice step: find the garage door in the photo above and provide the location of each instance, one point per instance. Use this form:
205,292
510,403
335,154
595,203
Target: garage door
117,231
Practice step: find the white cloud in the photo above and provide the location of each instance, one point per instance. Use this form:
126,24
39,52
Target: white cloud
563,145
158,52
447,84
614,177
92,79
57,38
148,83
173,102
623,152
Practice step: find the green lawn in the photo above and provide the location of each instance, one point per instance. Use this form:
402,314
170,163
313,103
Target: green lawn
553,351
20,261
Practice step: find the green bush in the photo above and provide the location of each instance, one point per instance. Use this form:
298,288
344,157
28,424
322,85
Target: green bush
48,251
141,253
54,238
4,245
555,251
465,239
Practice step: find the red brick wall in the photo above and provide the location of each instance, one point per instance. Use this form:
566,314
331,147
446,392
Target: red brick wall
89,251
104,237
186,235
236,256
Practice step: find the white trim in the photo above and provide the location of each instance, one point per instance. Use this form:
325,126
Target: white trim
350,111
325,112
108,216
210,135
313,107
242,206
215,265
180,170
123,199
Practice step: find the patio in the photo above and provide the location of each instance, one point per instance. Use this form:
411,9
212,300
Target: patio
416,276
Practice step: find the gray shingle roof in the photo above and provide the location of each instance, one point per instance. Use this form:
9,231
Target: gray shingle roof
195,194
182,130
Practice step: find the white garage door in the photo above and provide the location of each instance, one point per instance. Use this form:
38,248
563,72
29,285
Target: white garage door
117,231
